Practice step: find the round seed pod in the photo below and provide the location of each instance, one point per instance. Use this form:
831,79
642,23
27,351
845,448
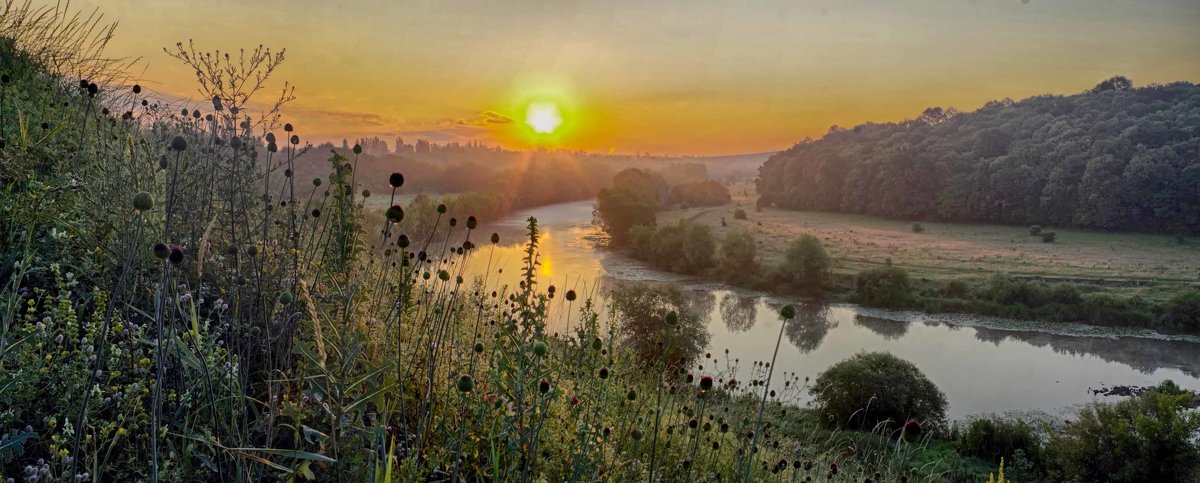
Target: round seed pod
176,255
472,222
544,386
288,127
396,180
603,372
539,348
357,149
631,395
161,251
672,318
465,384
142,201
495,238
137,89
178,143
441,209
788,312
285,298
295,139
402,241
706,383
478,348
596,345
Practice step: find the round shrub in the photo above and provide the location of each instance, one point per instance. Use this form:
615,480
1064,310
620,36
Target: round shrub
1182,312
992,439
876,387
886,286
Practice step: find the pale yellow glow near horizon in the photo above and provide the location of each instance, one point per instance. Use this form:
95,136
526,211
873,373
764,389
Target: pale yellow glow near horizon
700,77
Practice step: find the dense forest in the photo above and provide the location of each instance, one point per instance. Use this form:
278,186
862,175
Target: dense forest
1114,157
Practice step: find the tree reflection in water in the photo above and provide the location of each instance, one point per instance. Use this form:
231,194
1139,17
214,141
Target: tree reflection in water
739,313
886,328
810,327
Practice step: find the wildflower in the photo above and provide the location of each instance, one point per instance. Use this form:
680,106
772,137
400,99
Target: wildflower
441,209
402,241
544,386
288,127
603,372
706,383
672,318
788,312
295,139
539,348
495,238
478,347
597,344
453,222
179,143
396,180
216,100
285,298
465,384
636,435
316,182
270,137
316,213
137,89
357,149
631,395
574,401
570,295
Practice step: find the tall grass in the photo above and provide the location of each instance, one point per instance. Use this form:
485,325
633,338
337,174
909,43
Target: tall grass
173,310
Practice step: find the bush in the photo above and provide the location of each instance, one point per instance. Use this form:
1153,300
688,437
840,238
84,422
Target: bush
739,214
917,228
1151,437
1035,230
871,388
805,265
683,247
738,258
1182,312
1049,237
886,286
992,439
954,289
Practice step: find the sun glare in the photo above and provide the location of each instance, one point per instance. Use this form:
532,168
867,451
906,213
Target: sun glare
543,117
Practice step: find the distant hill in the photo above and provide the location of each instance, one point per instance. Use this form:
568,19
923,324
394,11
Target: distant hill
1113,158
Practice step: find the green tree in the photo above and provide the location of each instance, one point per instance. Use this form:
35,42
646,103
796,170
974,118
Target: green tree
876,387
805,266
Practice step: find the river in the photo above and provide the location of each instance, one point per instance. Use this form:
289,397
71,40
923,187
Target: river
984,365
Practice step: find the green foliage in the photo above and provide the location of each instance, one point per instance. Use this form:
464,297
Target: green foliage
806,266
873,388
737,260
1151,437
991,439
1114,158
1048,236
1182,312
886,286
700,193
739,214
683,247
918,228
641,310
632,200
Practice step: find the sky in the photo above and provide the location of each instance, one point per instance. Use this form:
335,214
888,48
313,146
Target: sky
669,78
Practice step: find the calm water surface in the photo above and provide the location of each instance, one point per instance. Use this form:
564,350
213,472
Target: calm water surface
984,365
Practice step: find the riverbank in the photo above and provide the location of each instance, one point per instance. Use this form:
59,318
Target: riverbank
1106,279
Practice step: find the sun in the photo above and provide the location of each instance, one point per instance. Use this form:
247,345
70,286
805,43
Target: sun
543,117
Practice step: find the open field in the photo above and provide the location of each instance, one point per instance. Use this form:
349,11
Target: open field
946,250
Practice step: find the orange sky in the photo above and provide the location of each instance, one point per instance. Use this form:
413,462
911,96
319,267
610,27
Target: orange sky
662,77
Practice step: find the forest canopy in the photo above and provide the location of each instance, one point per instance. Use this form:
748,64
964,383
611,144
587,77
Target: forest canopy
1114,157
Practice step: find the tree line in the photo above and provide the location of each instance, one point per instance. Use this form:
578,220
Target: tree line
1114,158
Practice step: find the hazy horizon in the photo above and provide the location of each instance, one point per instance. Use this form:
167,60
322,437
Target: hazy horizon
706,79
